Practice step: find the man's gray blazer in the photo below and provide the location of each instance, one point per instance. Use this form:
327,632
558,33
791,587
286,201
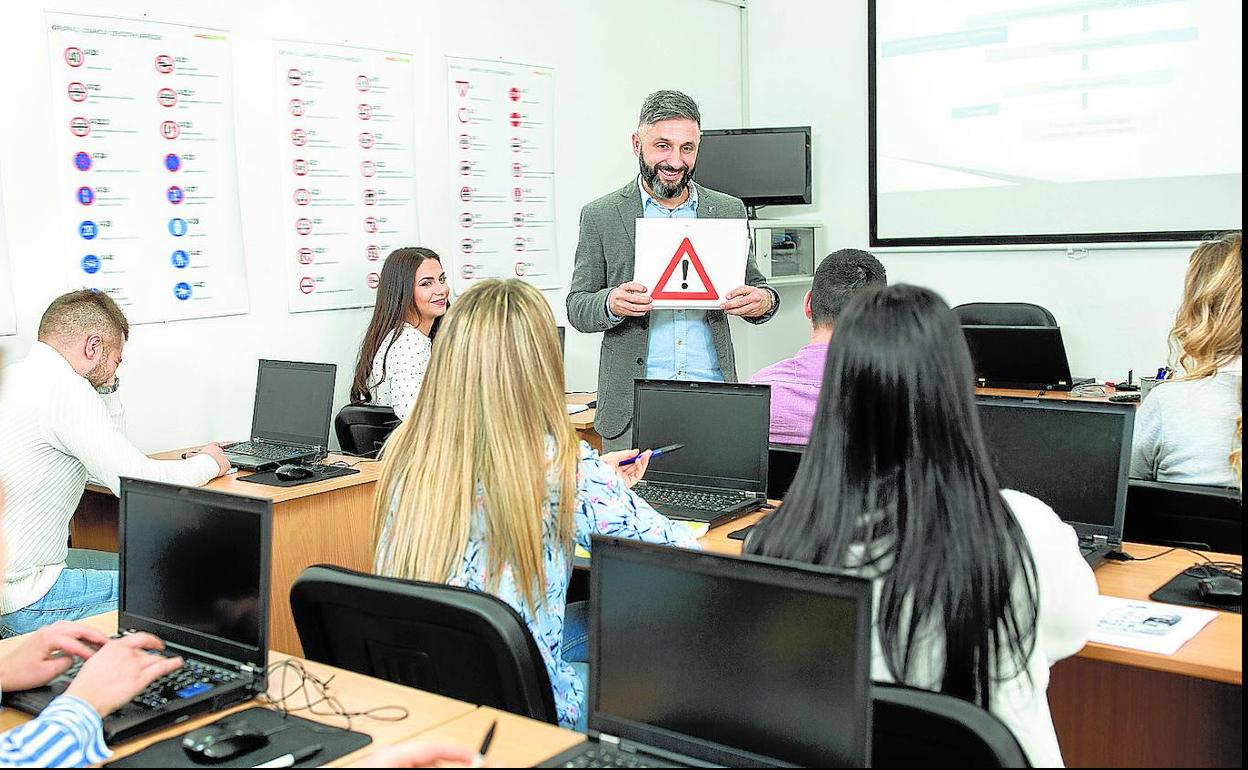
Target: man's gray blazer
604,260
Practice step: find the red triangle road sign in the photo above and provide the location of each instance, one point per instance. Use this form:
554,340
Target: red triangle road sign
686,250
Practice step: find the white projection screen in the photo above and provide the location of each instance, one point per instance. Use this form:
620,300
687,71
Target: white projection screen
1076,121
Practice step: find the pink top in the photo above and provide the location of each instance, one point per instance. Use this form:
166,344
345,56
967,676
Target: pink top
794,393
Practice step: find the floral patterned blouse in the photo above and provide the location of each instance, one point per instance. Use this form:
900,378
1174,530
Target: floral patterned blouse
604,506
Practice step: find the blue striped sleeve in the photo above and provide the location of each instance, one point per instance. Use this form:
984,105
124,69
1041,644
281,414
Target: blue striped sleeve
67,734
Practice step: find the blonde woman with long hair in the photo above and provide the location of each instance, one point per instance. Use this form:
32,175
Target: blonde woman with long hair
487,486
1191,430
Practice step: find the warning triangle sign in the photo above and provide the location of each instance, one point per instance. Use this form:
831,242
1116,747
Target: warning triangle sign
681,291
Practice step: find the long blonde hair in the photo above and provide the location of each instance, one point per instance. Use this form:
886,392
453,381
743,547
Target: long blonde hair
492,398
1208,329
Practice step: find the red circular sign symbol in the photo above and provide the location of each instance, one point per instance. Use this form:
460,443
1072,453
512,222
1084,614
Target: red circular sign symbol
514,94
373,280
369,197
519,244
466,246
465,167
294,77
300,167
305,256
517,195
465,194
365,111
373,253
303,226
515,144
167,97
515,120
521,267
74,57
170,129
306,285
299,137
465,142
366,140
465,219
370,224
467,271
302,197
463,114
77,92
517,169
518,219
79,126
362,82
164,64
368,168
296,107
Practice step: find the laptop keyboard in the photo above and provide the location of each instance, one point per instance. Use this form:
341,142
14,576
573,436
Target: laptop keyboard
193,678
693,499
604,757
266,451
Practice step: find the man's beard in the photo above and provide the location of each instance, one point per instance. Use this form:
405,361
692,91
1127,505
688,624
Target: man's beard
661,189
96,375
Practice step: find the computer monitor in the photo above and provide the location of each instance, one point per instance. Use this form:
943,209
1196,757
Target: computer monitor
1072,455
195,568
761,166
736,661
294,402
724,427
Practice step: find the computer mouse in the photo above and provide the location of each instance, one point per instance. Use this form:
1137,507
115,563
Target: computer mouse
223,740
293,472
1221,589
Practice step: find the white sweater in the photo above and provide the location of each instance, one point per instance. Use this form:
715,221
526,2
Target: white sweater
405,358
56,430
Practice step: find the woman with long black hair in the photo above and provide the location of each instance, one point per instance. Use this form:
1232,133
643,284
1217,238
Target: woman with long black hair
978,590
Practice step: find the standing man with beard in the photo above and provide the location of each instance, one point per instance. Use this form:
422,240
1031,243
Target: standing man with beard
637,341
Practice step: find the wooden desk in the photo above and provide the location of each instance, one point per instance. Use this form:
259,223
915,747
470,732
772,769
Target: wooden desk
357,692
1048,395
325,522
518,741
584,421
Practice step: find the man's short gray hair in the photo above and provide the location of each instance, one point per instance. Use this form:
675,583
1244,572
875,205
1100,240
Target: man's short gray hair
669,105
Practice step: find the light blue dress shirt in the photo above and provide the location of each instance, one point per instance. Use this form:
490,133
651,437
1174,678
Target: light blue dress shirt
681,347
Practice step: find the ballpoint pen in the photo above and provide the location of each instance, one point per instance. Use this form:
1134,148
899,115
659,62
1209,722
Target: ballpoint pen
654,453
485,745
293,758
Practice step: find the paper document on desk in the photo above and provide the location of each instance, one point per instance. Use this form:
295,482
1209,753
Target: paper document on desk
577,408
698,528
1147,626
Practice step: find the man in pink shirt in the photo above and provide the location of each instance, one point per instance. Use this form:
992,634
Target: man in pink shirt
795,381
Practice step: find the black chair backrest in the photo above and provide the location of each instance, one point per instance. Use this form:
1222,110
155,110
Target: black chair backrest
782,463
362,429
1185,515
919,728
452,641
1003,314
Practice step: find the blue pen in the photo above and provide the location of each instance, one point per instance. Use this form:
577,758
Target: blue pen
1161,372
655,453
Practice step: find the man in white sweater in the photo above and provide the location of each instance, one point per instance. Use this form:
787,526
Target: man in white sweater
63,420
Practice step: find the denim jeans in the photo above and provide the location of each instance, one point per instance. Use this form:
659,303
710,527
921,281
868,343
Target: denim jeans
77,593
576,650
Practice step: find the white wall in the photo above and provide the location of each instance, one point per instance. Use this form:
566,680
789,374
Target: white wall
193,381
808,65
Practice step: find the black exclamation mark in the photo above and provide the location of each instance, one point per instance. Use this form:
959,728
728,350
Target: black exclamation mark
684,274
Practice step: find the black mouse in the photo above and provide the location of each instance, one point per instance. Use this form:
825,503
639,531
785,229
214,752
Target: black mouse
293,472
223,740
1221,589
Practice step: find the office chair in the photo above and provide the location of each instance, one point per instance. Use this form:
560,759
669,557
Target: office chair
919,728
783,461
1003,314
362,429
452,641
1184,515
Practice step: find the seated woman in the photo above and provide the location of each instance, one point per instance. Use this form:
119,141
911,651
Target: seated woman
1191,430
488,488
411,300
978,590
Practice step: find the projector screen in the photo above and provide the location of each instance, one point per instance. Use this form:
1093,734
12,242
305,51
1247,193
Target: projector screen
1058,121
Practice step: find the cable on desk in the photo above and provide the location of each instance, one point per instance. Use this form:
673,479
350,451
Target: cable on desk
1205,568
301,690
1089,390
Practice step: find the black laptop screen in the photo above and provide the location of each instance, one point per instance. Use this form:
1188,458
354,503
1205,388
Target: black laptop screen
724,429
734,655
1073,457
1031,356
194,561
294,402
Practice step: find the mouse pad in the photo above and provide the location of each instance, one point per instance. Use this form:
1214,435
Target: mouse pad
293,733
323,472
1182,591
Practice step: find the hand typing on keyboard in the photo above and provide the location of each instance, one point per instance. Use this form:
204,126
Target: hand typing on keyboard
47,653
120,670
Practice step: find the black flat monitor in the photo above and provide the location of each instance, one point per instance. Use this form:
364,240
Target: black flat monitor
294,402
1072,455
1018,356
733,661
724,427
195,568
761,166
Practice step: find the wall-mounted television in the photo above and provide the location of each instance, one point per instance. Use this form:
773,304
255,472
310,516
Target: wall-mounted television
761,166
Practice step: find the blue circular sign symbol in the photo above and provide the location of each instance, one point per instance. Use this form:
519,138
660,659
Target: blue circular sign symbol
88,229
174,194
180,259
182,291
173,162
82,161
90,264
86,196
177,227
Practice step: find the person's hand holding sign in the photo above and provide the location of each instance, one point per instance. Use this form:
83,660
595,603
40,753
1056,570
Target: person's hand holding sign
630,299
747,302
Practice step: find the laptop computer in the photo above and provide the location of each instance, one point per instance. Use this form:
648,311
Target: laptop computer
290,421
1019,357
721,473
194,572
1072,455
740,662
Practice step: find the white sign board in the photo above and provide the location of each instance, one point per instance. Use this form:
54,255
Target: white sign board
691,263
